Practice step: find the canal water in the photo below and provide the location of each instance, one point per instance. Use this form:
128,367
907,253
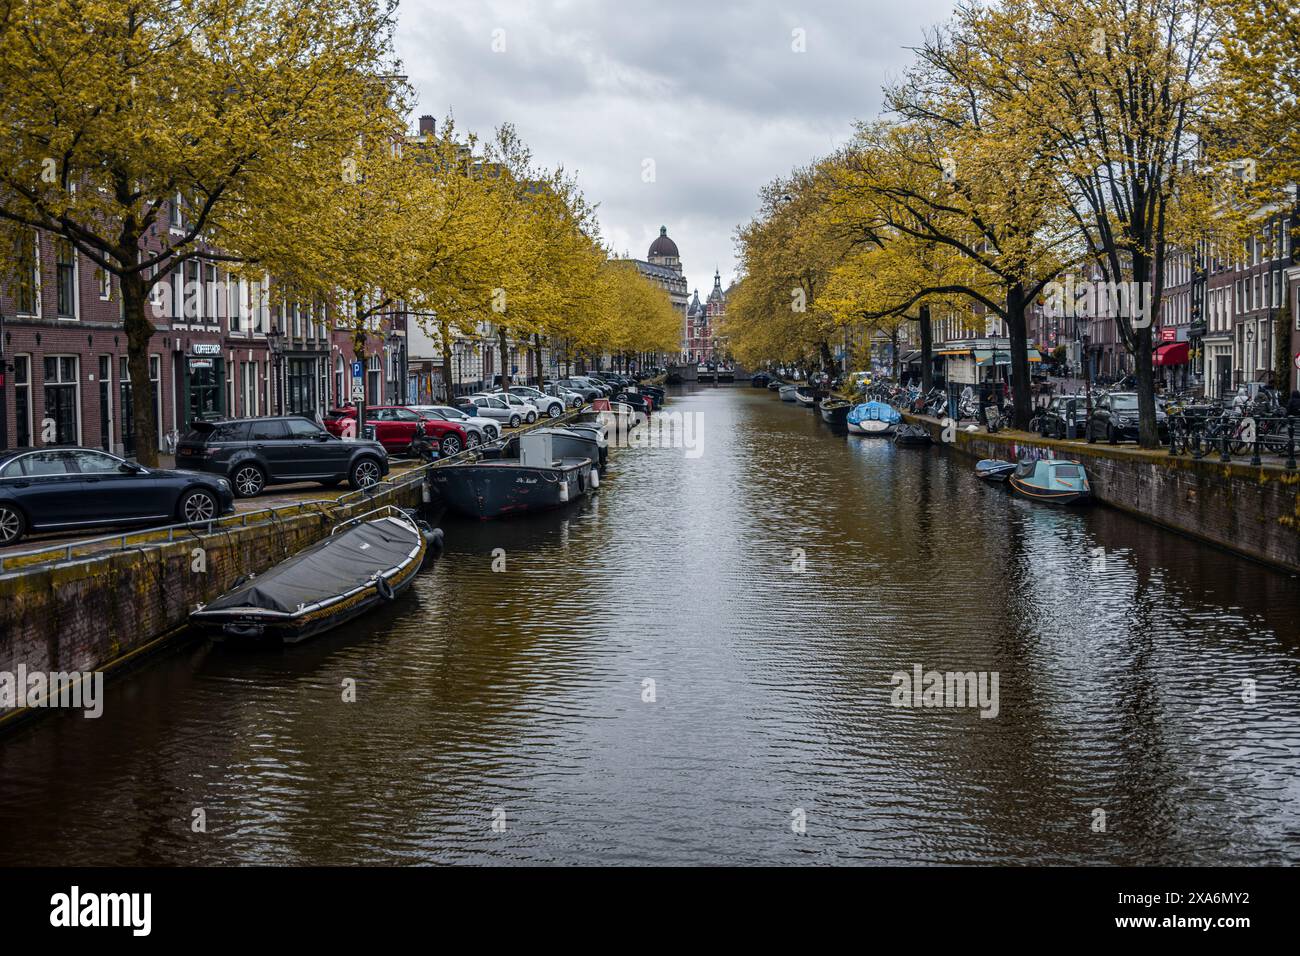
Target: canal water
769,589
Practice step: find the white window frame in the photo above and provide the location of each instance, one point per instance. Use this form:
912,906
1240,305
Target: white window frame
76,283
75,383
28,386
155,381
36,277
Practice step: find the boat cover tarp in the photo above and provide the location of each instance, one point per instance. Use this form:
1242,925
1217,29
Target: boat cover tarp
875,412
328,568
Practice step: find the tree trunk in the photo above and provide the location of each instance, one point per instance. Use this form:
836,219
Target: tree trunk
537,358
139,332
827,360
444,332
504,348
1148,434
927,347
1021,384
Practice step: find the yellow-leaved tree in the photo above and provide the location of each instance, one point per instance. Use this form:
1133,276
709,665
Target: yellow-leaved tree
148,132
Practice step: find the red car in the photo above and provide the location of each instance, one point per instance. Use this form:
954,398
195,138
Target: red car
396,427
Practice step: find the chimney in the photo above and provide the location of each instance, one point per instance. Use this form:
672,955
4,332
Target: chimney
426,125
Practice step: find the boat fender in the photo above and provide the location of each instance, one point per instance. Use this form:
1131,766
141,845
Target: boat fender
384,588
595,479
433,538
564,491
242,630
582,484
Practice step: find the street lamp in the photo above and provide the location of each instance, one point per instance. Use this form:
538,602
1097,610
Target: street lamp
1249,369
275,342
393,342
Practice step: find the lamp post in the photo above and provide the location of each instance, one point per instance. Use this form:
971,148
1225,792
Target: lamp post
1250,354
275,342
1087,375
392,342
460,364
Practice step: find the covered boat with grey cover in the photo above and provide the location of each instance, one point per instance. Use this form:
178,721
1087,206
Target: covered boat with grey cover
364,563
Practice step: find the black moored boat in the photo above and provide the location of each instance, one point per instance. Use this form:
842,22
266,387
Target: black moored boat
911,435
535,481
835,412
583,440
365,562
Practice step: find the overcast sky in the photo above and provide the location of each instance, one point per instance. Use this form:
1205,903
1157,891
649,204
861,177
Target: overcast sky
712,93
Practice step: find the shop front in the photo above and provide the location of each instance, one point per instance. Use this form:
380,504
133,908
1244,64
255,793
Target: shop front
1171,357
974,361
203,383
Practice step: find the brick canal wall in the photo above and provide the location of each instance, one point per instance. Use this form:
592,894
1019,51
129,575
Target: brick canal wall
95,612
1252,510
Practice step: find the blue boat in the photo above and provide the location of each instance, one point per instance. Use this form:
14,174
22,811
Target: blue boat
1052,480
873,418
994,469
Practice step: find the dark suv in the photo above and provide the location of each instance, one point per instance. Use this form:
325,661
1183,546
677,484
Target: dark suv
256,452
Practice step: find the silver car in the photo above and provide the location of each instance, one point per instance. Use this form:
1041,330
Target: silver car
524,407
491,406
480,431
570,398
545,404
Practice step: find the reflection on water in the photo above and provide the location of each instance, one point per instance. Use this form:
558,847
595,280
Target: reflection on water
1122,653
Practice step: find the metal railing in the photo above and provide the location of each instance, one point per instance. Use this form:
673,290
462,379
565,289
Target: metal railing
1227,435
156,536
159,536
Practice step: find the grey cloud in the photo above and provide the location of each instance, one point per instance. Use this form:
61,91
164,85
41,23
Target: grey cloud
713,93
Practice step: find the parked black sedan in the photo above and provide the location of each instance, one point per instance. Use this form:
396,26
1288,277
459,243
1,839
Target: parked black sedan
56,489
1115,419
1055,419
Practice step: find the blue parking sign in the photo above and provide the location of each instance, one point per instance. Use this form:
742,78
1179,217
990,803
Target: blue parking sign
358,369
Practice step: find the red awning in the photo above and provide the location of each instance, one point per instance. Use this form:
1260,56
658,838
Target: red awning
1171,353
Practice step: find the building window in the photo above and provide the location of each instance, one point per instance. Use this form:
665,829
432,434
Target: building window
375,381
211,293
302,386
155,293
23,399
61,424
177,278
191,275
27,285
249,373
236,308
104,279
255,305
65,277
155,378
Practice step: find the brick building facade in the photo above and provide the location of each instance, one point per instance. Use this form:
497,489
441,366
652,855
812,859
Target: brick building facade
223,346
